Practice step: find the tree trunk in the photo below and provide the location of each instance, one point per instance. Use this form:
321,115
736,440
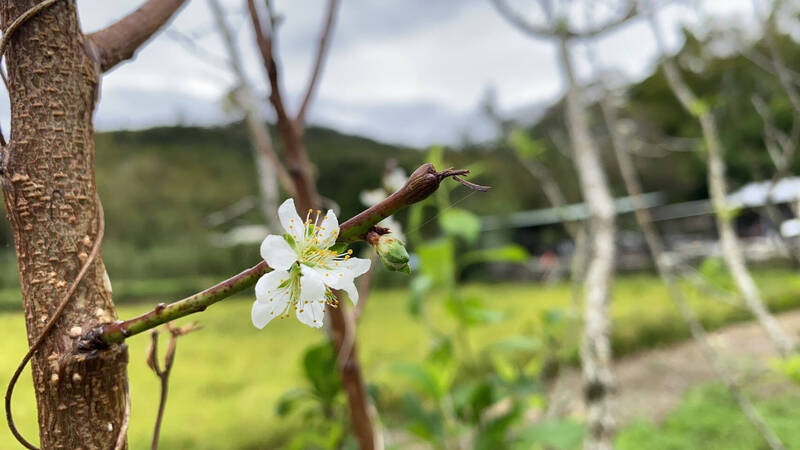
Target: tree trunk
50,196
595,348
731,251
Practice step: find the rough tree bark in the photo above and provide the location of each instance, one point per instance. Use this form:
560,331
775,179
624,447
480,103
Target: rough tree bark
731,250
51,200
292,130
667,274
596,347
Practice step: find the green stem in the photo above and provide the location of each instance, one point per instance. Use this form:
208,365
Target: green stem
422,183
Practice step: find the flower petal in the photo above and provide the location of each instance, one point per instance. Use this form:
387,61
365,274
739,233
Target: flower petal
352,292
277,252
271,300
268,286
290,221
328,230
342,275
311,304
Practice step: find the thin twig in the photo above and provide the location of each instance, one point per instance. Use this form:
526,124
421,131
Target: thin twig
322,48
50,324
163,375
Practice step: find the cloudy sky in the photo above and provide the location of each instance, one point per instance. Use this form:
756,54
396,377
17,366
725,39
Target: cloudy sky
412,71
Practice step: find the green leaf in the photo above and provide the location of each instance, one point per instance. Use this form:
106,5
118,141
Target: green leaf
437,261
422,423
507,254
319,365
418,288
516,344
472,399
461,223
415,217
442,352
289,399
420,377
524,146
470,311
494,433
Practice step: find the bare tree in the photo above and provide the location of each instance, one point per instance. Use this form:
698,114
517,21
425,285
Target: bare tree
596,356
666,270
781,146
269,168
292,130
54,73
731,249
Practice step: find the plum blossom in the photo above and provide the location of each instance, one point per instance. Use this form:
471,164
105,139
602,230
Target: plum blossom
305,269
393,179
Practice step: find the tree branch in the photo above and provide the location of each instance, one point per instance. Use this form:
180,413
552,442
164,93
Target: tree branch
264,41
291,135
244,99
549,32
421,184
119,41
322,47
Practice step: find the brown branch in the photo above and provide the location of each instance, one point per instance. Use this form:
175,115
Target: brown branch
298,163
322,48
119,41
163,374
343,336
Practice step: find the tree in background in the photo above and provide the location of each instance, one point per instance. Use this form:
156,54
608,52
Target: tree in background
292,130
717,185
595,348
268,167
665,266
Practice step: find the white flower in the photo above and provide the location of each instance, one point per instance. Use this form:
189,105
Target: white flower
304,269
392,181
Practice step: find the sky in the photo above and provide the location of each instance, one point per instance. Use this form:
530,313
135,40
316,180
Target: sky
413,72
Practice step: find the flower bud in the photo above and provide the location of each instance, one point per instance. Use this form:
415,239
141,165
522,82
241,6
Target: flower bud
393,253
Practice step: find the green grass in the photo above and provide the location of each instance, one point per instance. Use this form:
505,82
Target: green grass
708,418
228,376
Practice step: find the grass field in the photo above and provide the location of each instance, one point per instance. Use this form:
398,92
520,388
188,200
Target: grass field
707,418
228,376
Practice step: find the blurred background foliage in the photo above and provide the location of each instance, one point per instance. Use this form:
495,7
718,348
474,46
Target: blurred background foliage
160,184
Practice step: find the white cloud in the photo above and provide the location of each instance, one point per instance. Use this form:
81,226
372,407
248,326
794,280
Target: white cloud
411,71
